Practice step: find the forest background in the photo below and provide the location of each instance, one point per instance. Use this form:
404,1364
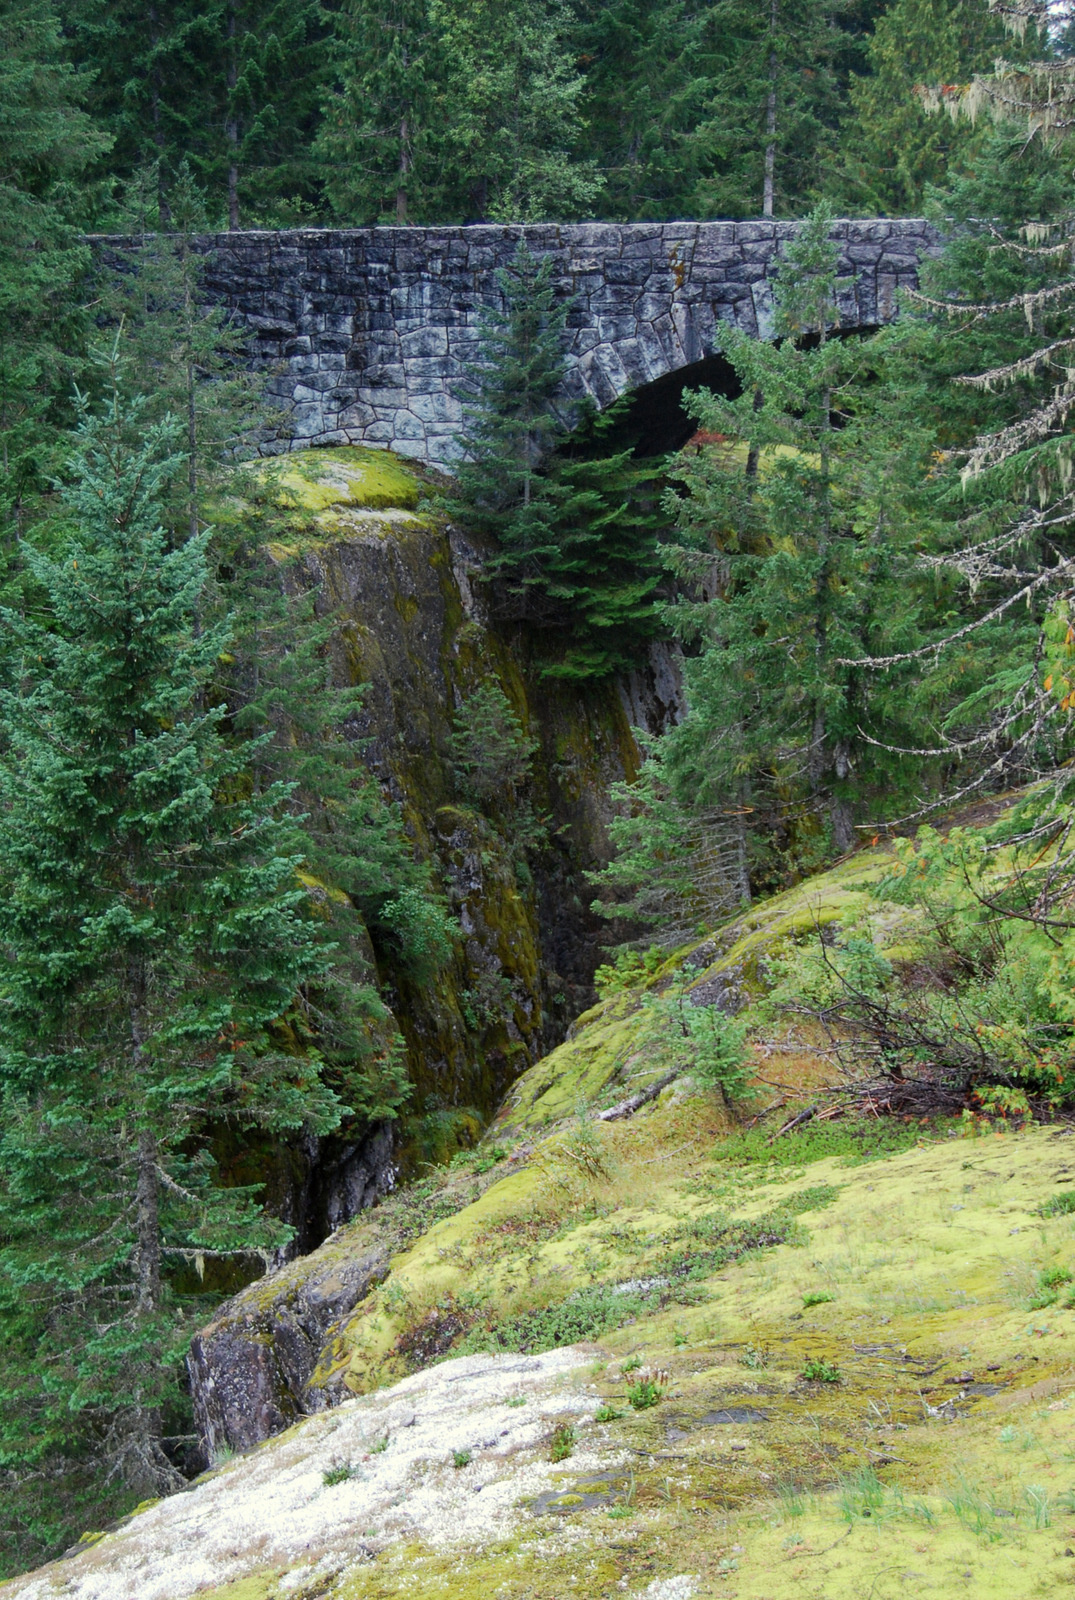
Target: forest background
865,555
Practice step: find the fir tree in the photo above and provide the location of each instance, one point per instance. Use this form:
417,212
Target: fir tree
774,107
509,144
786,561
380,127
891,149
46,143
161,972
575,533
511,417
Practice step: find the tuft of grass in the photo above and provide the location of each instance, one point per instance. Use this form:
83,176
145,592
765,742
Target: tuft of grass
755,1358
563,1441
816,1297
607,1413
339,1472
1046,1293
632,1364
817,1370
461,1458
516,1400
644,1393
1061,1205
379,1446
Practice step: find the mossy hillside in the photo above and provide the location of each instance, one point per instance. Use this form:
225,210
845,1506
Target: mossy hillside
611,1050
944,1450
933,1257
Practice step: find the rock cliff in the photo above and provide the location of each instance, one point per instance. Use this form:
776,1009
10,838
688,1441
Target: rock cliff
400,585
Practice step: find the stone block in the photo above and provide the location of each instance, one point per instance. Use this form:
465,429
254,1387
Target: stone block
423,343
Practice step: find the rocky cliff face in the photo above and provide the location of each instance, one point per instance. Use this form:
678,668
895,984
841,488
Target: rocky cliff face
402,586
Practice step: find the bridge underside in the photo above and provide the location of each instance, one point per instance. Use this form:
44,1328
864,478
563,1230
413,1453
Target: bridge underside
364,334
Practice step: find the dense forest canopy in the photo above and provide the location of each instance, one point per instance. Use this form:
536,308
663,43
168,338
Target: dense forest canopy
208,905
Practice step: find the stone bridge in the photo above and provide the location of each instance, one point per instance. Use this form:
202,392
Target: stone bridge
365,331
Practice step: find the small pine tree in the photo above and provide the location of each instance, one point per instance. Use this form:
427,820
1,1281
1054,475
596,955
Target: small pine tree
490,750
575,533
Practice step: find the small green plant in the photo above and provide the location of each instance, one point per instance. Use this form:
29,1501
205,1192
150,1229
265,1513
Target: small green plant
645,1393
816,1297
755,1357
632,1364
516,1400
621,1511
1050,1280
818,1370
379,1446
563,1441
1061,1205
628,969
461,1458
607,1413
339,1472
491,753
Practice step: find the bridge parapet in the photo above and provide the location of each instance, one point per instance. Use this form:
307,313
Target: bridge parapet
365,332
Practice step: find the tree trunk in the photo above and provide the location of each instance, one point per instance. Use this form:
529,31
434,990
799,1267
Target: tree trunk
164,210
404,173
770,116
231,126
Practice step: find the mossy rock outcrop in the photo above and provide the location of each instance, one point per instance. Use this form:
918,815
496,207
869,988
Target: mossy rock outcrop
402,585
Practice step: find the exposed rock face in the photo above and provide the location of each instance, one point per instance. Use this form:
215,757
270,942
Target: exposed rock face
249,1368
366,331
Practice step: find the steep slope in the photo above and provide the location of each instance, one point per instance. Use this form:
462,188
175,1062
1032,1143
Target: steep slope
880,1399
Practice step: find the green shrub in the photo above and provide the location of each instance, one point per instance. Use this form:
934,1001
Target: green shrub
1061,1205
818,1370
607,1413
339,1472
645,1393
816,1297
461,1458
562,1443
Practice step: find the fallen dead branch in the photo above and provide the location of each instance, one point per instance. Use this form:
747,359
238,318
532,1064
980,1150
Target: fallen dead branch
635,1102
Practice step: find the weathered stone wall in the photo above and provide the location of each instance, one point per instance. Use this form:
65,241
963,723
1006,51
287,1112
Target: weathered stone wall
366,331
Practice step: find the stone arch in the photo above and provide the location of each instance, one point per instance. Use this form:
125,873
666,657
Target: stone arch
364,332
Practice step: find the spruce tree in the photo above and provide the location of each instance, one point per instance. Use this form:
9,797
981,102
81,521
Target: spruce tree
46,143
891,149
162,973
789,559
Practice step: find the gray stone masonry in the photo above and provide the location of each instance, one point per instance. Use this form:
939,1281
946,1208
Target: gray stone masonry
364,333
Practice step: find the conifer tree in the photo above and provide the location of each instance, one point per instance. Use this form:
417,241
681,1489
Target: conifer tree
379,129
46,143
161,971
774,105
891,149
511,417
786,562
575,533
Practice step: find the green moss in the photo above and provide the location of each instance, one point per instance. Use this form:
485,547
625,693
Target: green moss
347,475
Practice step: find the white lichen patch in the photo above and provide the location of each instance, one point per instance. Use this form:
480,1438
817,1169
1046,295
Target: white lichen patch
390,1461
